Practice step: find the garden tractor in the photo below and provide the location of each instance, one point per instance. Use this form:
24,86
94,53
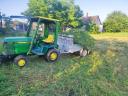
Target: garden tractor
42,39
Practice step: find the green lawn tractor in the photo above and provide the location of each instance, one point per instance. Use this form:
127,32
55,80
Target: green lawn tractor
40,40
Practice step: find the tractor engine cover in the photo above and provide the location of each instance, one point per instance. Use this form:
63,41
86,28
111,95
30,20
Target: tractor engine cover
17,45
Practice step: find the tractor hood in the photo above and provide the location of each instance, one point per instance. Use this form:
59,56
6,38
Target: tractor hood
17,39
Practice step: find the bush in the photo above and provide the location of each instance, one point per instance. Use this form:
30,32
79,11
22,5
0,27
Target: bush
94,29
116,22
82,38
91,27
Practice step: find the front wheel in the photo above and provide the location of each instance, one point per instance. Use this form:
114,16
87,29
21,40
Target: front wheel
21,60
52,55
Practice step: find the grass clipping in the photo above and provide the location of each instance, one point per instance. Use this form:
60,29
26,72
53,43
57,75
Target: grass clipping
82,38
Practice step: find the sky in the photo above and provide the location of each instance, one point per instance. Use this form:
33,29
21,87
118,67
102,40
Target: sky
93,7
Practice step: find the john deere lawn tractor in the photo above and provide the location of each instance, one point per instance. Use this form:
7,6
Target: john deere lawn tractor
41,40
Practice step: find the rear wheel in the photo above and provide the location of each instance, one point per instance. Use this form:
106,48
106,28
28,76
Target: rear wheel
52,55
83,52
21,60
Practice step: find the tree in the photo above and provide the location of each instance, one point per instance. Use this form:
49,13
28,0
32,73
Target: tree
37,8
79,14
64,10
116,22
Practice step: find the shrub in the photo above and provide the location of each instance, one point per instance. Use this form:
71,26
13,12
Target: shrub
116,22
94,29
82,38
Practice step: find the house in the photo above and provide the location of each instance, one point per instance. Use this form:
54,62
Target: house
93,19
19,26
19,23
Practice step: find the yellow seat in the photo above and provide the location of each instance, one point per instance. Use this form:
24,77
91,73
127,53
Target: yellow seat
50,39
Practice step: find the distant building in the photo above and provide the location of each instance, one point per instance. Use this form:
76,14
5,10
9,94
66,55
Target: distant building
15,23
19,23
19,26
94,19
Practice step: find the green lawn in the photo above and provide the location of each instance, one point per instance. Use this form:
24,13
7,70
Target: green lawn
103,73
119,34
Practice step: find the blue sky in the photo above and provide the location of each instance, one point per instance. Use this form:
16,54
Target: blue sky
93,7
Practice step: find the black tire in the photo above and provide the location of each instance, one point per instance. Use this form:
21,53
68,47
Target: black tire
52,52
83,52
21,60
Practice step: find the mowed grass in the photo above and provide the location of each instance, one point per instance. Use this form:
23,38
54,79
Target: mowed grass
103,73
120,36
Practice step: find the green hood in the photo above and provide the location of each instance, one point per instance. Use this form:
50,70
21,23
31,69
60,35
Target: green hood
17,39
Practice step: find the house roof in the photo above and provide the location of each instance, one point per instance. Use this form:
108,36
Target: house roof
94,19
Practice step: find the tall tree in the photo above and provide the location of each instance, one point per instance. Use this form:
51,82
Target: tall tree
64,10
36,8
116,22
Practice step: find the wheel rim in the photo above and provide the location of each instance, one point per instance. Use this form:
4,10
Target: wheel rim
21,62
84,53
53,56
